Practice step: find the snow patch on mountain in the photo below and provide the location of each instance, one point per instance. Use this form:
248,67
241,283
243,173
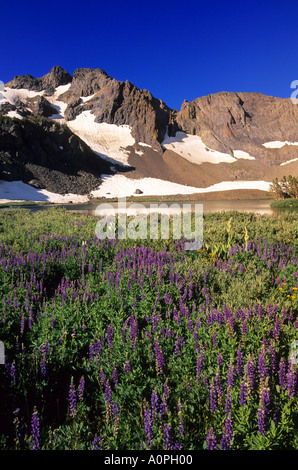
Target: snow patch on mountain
14,96
193,149
121,186
240,154
107,140
277,144
289,161
118,186
59,105
19,191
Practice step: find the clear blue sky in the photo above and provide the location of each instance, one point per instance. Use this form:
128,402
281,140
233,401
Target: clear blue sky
177,50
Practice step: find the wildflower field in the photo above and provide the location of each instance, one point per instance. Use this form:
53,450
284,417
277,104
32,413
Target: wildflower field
133,344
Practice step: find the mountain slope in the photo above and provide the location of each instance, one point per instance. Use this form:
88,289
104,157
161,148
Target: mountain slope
223,137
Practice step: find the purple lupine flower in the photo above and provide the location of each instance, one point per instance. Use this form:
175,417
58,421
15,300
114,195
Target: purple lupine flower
220,360
263,408
211,442
81,388
95,351
115,411
127,367
181,423
16,423
167,439
159,357
22,323
115,377
72,400
230,377
12,372
179,342
200,363
96,443
244,328
30,319
227,434
168,299
102,378
108,393
154,403
35,431
276,331
148,426
272,358
250,372
45,351
110,331
133,330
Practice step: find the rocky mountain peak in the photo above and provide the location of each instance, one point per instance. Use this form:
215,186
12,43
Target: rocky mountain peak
56,77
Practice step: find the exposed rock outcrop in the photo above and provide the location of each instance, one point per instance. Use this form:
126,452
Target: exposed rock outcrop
242,121
49,154
40,106
56,77
116,102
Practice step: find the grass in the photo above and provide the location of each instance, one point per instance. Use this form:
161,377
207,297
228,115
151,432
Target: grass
23,203
285,203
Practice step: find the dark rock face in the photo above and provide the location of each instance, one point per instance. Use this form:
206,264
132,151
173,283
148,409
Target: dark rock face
21,109
116,102
40,106
56,77
50,155
241,121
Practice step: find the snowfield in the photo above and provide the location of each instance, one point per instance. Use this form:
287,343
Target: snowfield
118,186
289,161
18,191
121,186
277,144
193,149
107,140
59,105
241,154
13,96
